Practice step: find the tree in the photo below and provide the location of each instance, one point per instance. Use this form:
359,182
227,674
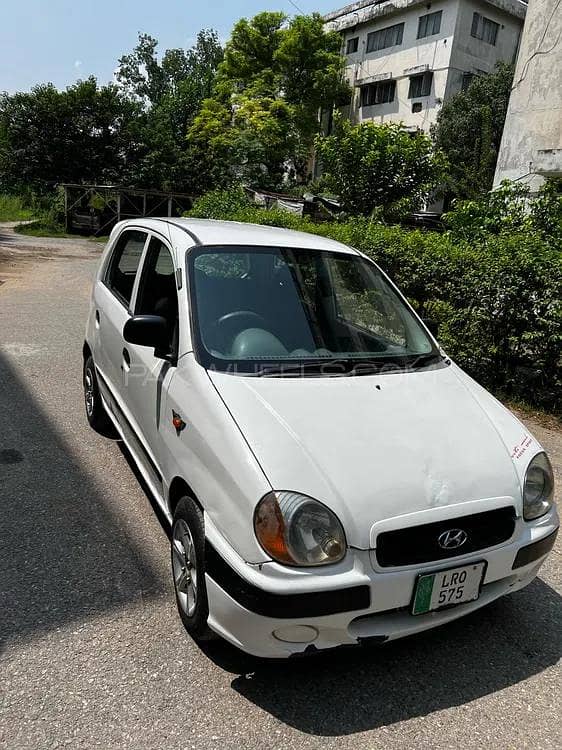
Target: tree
372,166
276,76
171,93
189,74
468,130
247,142
82,134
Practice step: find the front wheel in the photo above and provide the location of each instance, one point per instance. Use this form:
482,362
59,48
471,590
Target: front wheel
188,568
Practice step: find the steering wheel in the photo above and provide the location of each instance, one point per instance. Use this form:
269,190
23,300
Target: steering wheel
224,330
237,314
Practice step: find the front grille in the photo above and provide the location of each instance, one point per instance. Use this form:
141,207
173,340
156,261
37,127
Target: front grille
419,544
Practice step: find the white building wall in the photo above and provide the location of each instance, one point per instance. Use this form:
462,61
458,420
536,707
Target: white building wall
470,55
449,54
398,63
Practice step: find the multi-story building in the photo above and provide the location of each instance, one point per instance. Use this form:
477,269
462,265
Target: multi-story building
531,148
406,57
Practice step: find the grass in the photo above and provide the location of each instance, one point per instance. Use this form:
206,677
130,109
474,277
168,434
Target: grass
12,208
44,228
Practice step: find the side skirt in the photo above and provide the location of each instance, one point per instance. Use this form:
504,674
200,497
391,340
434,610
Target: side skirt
148,470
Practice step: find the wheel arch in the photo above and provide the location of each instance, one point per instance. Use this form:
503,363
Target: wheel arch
86,351
178,489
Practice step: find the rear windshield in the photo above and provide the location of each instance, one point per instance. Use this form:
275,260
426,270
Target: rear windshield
261,307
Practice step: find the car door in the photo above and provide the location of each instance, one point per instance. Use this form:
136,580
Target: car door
113,295
148,377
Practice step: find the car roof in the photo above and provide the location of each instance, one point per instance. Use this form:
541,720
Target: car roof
213,232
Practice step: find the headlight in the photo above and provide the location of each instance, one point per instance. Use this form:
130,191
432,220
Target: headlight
297,530
539,488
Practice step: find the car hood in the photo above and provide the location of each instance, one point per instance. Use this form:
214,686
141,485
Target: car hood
376,447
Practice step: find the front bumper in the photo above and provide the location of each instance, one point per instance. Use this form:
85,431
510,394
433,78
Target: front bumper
273,617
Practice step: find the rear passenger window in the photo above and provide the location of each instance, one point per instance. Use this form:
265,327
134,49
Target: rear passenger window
120,277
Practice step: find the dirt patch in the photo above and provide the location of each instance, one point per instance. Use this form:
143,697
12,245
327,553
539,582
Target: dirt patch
19,253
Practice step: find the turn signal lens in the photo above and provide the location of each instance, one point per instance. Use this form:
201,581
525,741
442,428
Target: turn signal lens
297,530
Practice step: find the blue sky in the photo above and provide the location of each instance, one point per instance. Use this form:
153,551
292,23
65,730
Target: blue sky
62,40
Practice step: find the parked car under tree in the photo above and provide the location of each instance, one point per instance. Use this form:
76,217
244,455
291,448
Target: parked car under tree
331,477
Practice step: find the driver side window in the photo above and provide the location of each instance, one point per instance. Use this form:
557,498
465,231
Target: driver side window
157,290
122,269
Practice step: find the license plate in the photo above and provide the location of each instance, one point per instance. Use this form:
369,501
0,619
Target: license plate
448,588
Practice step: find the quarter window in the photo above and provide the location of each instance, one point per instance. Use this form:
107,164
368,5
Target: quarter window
388,37
378,93
420,85
122,270
429,24
485,29
352,45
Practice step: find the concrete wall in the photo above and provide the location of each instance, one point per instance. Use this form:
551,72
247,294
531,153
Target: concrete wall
531,147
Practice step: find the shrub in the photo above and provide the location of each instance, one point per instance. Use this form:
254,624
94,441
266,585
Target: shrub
378,167
497,299
14,208
510,208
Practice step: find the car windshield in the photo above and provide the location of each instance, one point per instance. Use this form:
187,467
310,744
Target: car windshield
266,310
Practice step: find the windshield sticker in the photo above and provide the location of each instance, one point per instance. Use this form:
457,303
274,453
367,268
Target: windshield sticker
522,446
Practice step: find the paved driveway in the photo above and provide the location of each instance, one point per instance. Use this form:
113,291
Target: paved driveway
92,653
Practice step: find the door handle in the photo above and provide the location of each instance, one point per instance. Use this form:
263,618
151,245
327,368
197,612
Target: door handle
126,358
97,318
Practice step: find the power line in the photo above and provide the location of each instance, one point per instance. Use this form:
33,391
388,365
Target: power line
539,51
300,10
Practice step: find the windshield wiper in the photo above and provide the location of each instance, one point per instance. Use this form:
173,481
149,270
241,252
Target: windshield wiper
322,366
347,366
329,367
424,360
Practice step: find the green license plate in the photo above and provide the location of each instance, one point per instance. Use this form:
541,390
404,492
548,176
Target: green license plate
446,588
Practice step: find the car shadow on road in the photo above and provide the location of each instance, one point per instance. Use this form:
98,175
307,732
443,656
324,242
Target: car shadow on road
358,689
64,554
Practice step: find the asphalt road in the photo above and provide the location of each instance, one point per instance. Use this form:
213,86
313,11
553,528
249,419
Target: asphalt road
92,653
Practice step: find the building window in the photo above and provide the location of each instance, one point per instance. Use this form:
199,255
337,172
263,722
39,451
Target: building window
352,46
484,29
467,79
429,24
381,92
420,85
389,37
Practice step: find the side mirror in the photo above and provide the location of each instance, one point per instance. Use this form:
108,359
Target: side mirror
432,325
151,331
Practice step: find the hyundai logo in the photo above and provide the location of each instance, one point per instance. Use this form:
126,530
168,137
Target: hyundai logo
452,539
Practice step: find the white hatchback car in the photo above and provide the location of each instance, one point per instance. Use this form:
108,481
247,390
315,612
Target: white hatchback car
330,476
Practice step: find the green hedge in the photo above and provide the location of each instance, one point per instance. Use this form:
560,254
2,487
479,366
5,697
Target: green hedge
497,300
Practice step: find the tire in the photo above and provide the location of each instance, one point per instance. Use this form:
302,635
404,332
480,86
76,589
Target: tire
188,569
95,411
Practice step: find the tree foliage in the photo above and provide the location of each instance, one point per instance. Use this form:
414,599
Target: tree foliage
275,77
82,134
378,167
170,92
469,129
187,74
133,132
